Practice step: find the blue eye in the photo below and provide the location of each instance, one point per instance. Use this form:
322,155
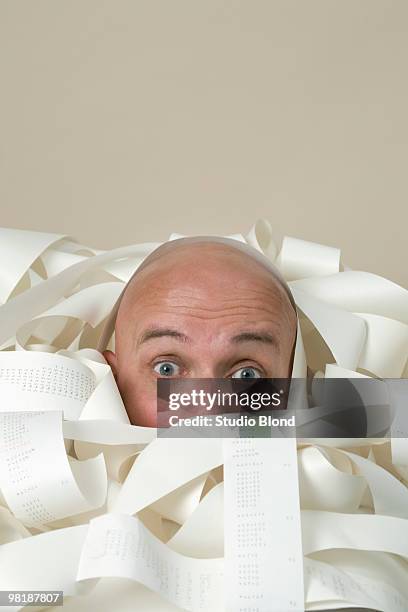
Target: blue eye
246,373
166,368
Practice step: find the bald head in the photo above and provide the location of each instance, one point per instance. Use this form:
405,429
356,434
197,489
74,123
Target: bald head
200,309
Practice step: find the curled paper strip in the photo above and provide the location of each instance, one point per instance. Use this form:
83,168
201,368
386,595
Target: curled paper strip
89,502
38,482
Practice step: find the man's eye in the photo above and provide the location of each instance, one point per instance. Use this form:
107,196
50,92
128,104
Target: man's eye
167,368
246,373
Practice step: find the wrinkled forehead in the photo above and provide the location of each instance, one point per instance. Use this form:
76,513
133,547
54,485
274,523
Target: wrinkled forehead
182,244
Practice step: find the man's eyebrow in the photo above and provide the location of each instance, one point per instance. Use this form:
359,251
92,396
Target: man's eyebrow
245,336
250,336
160,332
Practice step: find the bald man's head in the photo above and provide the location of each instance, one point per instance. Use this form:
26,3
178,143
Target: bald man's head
200,309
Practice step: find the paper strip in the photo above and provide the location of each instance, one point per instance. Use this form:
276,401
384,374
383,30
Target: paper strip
36,478
120,545
263,549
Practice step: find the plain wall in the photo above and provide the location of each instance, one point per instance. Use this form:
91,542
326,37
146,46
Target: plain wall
122,121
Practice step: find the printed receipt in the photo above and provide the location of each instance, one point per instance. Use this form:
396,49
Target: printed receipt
262,532
38,482
120,545
37,381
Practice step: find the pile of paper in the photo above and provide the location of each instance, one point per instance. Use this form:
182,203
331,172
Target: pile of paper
119,519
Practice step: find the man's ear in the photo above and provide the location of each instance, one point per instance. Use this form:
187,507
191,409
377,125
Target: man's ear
112,361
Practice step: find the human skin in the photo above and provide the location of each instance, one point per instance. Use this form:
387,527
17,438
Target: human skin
215,312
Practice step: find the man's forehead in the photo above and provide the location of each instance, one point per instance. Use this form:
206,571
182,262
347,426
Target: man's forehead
219,310
206,245
219,280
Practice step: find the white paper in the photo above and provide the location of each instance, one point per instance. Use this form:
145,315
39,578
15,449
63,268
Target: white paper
263,554
119,545
38,482
96,484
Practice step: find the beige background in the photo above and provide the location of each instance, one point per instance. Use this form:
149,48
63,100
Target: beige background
124,120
